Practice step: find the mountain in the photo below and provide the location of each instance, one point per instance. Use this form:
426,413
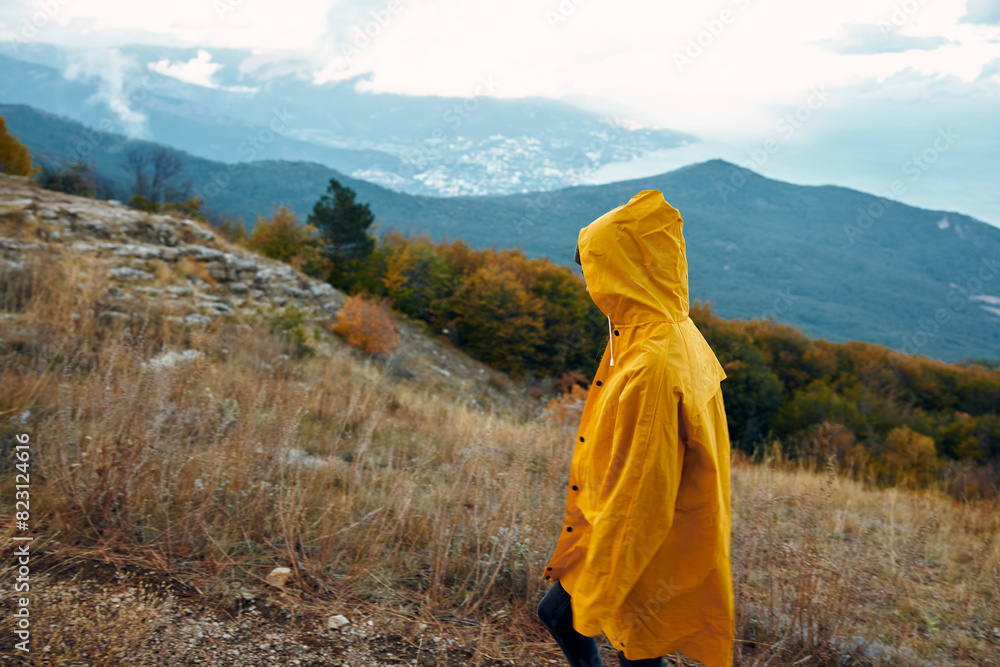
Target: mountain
836,263
477,144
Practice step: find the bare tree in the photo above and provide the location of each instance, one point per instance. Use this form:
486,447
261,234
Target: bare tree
157,174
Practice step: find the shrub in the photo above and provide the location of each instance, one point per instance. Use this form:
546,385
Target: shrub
290,323
565,409
76,179
284,239
367,324
910,458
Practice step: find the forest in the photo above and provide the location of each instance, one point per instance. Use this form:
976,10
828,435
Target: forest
886,417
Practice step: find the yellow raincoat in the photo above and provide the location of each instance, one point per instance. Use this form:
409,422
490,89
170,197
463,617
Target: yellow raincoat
644,550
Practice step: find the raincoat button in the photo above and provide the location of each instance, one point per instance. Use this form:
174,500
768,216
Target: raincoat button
576,488
581,438
569,529
548,569
616,332
599,383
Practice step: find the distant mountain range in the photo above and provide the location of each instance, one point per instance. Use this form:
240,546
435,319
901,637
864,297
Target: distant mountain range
837,263
252,109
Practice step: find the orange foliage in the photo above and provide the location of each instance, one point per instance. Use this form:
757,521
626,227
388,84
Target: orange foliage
396,266
566,409
283,238
367,324
910,458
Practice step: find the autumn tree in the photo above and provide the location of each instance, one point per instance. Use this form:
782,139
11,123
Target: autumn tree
284,238
367,324
14,156
499,321
909,458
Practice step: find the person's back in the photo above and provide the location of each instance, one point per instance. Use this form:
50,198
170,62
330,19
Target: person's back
644,554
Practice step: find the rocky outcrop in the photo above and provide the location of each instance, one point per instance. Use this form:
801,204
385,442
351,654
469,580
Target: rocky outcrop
196,277
223,280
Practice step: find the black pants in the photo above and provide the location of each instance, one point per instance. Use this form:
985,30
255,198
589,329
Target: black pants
556,613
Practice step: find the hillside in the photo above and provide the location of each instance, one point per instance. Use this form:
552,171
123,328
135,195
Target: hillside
181,452
915,280
175,272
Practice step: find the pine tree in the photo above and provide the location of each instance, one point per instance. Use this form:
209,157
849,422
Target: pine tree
344,225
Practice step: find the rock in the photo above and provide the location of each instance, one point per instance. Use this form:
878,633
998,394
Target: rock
95,227
198,230
130,274
217,270
197,319
135,250
322,289
404,373
199,283
200,252
169,359
238,288
278,576
337,621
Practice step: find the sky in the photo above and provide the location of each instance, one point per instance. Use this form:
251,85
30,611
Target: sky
872,81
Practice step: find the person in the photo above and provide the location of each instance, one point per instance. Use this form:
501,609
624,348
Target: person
644,551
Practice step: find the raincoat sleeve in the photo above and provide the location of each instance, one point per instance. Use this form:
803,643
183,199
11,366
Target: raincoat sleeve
637,497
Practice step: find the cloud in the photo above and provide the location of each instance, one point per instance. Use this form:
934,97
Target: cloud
990,71
117,86
982,11
198,71
868,39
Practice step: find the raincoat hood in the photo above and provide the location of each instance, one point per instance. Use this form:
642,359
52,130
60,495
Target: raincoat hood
633,259
644,550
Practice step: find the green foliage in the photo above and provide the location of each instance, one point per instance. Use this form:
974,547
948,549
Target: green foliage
901,415
76,179
283,238
517,314
290,323
189,209
752,393
141,203
344,224
14,156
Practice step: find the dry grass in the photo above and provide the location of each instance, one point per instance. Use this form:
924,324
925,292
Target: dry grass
218,467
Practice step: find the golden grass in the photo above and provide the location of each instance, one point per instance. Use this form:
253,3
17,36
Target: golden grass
218,467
